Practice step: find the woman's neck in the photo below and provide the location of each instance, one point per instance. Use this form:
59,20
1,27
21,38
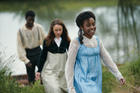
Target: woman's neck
58,38
88,36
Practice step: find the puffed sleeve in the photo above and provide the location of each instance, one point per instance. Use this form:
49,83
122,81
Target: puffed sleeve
42,33
69,68
20,49
107,60
43,56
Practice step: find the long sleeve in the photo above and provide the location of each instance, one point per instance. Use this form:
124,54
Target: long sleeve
42,34
43,56
21,50
69,68
68,44
109,62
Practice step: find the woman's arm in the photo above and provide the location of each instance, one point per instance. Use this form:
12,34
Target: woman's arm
109,62
69,68
43,56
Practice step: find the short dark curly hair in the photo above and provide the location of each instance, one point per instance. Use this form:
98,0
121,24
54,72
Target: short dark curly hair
80,20
29,13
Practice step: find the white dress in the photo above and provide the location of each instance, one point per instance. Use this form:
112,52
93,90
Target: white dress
53,73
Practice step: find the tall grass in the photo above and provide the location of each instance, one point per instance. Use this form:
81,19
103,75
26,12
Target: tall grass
108,81
131,73
7,84
36,88
135,71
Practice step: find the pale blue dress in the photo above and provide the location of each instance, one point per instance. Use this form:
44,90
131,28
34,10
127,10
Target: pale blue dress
88,70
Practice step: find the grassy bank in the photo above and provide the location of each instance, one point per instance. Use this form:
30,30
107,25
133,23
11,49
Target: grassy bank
130,71
9,85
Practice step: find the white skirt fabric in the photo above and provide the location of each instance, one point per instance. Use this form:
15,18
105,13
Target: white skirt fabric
53,73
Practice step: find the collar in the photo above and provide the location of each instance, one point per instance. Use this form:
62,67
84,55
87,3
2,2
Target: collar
25,28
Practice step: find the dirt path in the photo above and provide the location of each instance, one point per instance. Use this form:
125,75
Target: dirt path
126,90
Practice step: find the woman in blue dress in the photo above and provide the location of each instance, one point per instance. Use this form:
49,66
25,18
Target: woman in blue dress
83,68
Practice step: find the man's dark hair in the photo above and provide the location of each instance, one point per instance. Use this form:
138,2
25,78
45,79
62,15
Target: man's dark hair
29,13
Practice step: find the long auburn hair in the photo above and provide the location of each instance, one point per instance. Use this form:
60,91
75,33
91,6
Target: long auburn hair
50,37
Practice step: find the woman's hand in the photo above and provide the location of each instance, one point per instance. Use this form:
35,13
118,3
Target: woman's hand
72,90
37,76
122,81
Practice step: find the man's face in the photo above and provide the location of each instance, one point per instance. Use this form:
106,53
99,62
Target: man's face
30,21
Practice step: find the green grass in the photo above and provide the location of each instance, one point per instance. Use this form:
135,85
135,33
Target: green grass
108,81
135,71
130,71
9,85
36,88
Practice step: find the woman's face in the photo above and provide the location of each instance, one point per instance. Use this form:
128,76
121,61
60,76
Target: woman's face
89,27
58,30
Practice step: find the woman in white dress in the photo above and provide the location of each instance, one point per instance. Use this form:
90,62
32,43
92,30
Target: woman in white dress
53,58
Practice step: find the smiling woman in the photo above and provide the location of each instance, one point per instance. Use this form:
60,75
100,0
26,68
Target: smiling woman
83,67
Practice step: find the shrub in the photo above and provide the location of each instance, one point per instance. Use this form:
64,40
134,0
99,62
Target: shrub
7,84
